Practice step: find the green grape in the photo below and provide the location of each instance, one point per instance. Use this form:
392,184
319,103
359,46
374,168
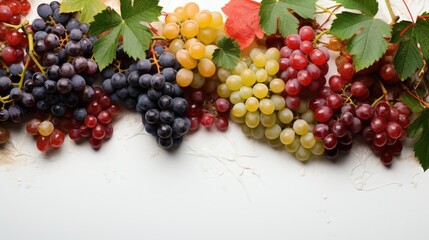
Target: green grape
260,60
285,115
261,75
247,61
239,68
252,104
287,136
234,83
246,130
308,116
302,154
293,147
248,77
246,92
239,110
268,120
223,74
198,81
303,106
300,127
275,143
277,85
310,127
235,98
318,148
252,119
273,54
272,67
266,106
239,120
255,51
258,132
260,90
223,91
273,132
308,140
279,102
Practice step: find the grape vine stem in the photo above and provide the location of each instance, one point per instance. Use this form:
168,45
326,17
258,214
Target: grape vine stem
155,59
423,103
316,39
392,14
385,95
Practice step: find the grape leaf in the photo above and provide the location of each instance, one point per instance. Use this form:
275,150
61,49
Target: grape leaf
242,23
228,53
367,7
411,102
88,8
275,15
413,39
366,35
136,36
419,131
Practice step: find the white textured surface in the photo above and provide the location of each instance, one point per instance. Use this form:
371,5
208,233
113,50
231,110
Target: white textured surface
217,186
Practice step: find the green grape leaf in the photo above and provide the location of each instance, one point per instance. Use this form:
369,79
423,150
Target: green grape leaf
366,34
275,15
88,8
413,39
228,53
419,131
129,24
367,7
411,102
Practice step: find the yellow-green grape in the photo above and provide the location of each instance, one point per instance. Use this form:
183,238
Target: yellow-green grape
203,18
207,35
268,120
273,132
185,59
234,83
176,45
258,132
308,116
184,77
197,50
198,81
180,11
267,106
45,128
223,91
252,119
255,51
189,29
293,147
260,60
246,130
300,127
239,120
287,136
303,106
191,42
285,115
171,31
239,110
239,68
272,67
253,67
252,104
246,92
318,148
209,51
206,67
272,54
279,102
303,154
310,127
247,61
223,74
248,77
261,75
260,90
277,85
220,32
173,18
190,10
217,20
235,98
275,143
308,140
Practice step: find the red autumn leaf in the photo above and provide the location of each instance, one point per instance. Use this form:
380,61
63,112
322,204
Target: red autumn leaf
242,23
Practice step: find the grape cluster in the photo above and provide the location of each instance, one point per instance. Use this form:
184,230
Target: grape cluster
94,122
11,11
260,106
47,134
302,66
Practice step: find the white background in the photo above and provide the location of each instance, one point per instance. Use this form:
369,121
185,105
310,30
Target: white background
217,186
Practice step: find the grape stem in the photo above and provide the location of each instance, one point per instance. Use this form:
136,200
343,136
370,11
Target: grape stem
16,27
316,39
421,101
330,15
155,59
392,14
385,95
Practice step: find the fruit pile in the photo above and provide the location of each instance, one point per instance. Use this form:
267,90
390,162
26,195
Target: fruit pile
71,73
